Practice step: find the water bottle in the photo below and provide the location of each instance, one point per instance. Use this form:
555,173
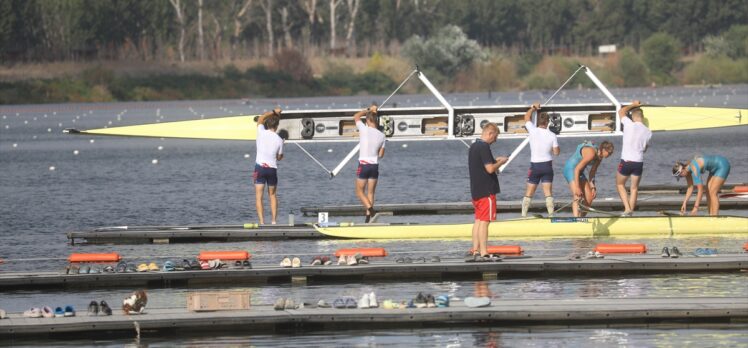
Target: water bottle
291,218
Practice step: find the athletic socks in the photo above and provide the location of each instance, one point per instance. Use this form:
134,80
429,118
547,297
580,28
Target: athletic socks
525,205
549,205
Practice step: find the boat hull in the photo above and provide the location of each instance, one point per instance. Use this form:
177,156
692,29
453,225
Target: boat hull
431,123
541,228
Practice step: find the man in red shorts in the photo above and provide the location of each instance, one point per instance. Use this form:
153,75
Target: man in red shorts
484,185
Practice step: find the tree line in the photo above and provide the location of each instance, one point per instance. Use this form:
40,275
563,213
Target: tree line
193,30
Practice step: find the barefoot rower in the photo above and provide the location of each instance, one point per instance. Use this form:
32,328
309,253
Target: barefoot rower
543,146
269,152
371,142
586,155
718,168
636,138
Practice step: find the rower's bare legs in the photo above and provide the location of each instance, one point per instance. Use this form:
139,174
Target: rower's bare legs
476,242
588,194
714,184
530,191
273,203
574,202
483,237
371,190
259,190
548,189
621,187
635,180
527,199
360,188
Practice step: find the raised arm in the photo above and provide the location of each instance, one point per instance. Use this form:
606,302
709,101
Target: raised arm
261,120
357,116
528,115
625,110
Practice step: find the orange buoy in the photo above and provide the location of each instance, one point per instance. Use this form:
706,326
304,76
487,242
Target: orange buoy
740,189
745,246
94,257
370,252
621,248
240,255
503,250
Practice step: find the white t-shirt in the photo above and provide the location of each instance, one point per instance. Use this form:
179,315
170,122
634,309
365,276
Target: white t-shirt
542,142
635,139
269,146
370,141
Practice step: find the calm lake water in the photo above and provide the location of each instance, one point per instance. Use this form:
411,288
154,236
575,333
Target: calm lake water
108,181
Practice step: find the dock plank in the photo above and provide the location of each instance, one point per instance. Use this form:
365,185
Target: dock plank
380,270
526,312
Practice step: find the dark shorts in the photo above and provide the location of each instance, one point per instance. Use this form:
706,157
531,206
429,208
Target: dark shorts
265,175
628,168
367,171
540,172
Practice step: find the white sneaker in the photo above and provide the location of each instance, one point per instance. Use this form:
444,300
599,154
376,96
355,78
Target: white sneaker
352,260
373,300
364,301
342,260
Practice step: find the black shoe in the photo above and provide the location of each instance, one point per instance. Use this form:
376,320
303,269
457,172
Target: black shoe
675,253
367,219
665,252
105,308
93,308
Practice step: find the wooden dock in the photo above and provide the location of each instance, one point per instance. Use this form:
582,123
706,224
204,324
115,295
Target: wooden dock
192,234
645,203
381,270
505,312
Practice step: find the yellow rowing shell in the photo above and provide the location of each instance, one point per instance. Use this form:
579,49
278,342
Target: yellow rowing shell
592,227
657,118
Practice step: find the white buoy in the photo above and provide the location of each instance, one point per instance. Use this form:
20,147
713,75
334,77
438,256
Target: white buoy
329,150
52,168
91,141
75,152
15,145
34,137
154,161
6,126
405,145
246,155
160,148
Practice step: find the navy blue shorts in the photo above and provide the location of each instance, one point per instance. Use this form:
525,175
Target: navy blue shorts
265,175
628,168
367,171
540,172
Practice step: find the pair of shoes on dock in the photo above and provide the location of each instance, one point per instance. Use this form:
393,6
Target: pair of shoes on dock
94,308
476,257
283,303
290,263
422,301
321,260
84,269
239,264
345,302
417,260
671,253
352,260
705,252
151,267
368,300
47,312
